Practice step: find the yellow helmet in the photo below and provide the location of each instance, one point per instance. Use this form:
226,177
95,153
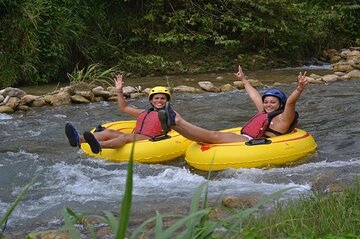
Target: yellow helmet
160,90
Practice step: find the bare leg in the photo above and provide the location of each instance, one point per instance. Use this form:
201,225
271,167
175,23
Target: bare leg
120,140
196,133
103,135
114,139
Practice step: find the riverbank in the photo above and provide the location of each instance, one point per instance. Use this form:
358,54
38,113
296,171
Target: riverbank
80,91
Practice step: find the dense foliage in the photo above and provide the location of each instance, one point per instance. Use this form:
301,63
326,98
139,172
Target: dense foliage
42,40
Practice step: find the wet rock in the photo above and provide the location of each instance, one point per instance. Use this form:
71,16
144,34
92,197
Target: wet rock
255,83
38,102
208,86
62,98
227,87
136,95
186,89
6,109
354,74
50,234
239,84
13,103
219,78
12,92
219,214
79,99
240,202
105,232
329,78
100,92
24,107
93,219
88,94
277,84
28,99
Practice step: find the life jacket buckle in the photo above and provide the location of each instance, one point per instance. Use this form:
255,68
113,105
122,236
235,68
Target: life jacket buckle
258,141
160,137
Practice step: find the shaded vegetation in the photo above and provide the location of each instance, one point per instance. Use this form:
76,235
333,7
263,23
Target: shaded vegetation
41,41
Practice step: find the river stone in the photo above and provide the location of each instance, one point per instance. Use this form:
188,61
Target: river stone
6,109
79,99
38,102
105,232
240,202
101,92
12,92
239,84
219,78
136,95
341,66
227,87
329,78
208,86
255,83
50,234
28,99
13,103
185,89
354,74
88,94
62,98
315,81
24,107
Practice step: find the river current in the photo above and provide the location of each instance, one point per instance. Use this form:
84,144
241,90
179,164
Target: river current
34,143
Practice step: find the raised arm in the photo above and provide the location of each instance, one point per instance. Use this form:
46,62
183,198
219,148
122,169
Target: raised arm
289,110
253,93
123,106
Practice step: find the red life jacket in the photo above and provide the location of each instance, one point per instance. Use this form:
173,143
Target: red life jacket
259,124
148,124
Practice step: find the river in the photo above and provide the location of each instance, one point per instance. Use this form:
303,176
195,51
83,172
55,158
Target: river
34,143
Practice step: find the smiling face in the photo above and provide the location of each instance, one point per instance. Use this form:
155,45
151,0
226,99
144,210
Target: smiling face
271,104
158,100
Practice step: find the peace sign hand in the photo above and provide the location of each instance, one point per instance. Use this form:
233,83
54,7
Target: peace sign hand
302,79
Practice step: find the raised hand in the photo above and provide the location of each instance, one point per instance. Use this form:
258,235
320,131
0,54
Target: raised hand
118,80
240,74
302,79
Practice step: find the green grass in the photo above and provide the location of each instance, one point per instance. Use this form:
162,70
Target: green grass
93,74
336,215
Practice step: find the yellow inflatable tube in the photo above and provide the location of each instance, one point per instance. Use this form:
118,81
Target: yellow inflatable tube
278,150
145,151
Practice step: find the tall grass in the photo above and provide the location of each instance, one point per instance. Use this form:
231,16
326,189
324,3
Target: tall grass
330,216
92,74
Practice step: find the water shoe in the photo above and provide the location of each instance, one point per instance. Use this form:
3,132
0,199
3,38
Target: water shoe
164,121
92,141
170,113
72,135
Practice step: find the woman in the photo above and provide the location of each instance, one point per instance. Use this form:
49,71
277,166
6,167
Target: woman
276,115
147,126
